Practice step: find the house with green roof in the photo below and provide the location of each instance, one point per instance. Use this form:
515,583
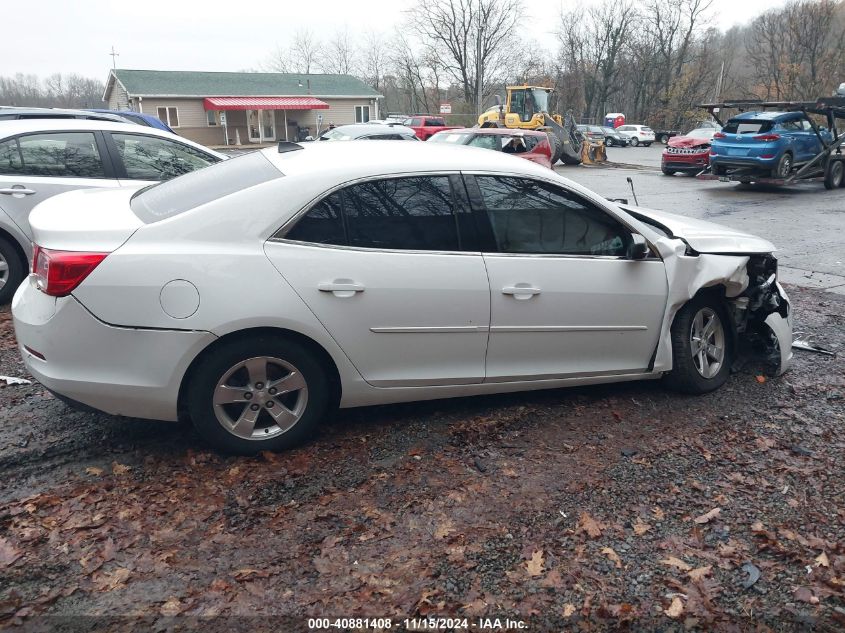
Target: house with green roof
226,108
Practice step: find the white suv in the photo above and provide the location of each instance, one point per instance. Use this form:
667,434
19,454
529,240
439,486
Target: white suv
637,134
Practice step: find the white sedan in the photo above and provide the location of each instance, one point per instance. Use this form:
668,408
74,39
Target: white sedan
256,295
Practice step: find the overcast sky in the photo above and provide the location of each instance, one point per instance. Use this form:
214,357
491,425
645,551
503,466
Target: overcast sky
76,36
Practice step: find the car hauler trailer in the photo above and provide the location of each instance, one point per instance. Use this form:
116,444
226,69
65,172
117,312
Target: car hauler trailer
827,164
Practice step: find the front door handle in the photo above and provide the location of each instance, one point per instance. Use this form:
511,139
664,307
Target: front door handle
18,192
341,287
521,291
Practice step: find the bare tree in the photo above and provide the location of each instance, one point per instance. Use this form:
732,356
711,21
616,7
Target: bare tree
374,59
451,30
338,54
304,52
57,90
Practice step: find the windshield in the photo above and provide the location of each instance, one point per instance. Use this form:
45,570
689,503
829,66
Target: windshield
336,135
541,99
450,137
701,133
167,199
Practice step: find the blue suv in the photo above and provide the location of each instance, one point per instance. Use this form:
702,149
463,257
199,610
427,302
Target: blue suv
771,143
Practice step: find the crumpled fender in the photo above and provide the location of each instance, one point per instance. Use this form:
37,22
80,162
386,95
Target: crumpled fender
686,275
782,329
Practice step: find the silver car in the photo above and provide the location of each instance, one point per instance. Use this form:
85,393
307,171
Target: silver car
40,158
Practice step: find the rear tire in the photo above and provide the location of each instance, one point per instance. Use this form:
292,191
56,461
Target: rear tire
701,347
663,138
634,141
647,144
608,142
784,166
833,175
263,393
12,270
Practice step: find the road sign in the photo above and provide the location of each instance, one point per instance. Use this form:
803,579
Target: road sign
445,108
223,119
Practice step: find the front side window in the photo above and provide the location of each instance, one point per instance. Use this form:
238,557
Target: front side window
414,213
487,141
153,158
169,115
534,217
68,154
362,114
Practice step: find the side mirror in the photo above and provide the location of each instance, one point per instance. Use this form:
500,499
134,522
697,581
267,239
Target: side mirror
638,249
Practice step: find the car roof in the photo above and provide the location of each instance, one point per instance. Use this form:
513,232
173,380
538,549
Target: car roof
26,126
763,116
492,131
374,128
52,112
358,159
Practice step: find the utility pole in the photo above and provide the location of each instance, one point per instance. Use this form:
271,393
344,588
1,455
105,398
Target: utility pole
114,57
479,70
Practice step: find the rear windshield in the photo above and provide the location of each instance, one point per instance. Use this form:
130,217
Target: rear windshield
168,199
736,126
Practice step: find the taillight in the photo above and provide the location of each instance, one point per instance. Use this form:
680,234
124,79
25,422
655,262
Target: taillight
58,273
720,135
767,137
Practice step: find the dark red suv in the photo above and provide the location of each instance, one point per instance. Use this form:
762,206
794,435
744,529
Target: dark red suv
527,144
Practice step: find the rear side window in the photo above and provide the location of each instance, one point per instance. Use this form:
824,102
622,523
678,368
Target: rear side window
153,158
735,126
63,154
168,199
416,213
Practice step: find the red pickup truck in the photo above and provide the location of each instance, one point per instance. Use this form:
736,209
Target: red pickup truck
424,126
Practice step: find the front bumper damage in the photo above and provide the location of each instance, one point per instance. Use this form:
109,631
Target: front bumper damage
758,305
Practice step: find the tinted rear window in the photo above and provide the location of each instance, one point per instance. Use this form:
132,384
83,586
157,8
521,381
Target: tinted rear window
735,126
168,199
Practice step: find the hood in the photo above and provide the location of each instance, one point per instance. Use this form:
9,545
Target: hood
688,141
703,236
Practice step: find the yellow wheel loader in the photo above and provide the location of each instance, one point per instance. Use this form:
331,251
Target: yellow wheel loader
527,108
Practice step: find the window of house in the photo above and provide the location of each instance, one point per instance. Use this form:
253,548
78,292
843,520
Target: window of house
169,115
529,216
212,117
399,213
362,114
68,154
154,158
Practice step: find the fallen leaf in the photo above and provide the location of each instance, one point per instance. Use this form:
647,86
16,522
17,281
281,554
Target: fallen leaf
589,525
113,580
640,527
707,516
612,555
761,379
120,469
676,562
822,560
568,610
8,553
93,470
535,565
699,572
444,529
658,513
171,608
675,609
805,594
757,526
552,580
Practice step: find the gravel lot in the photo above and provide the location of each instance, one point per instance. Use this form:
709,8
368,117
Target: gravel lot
620,506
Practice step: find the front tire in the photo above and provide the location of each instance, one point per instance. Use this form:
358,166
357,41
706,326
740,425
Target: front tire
664,138
262,393
12,270
833,175
608,142
668,172
701,347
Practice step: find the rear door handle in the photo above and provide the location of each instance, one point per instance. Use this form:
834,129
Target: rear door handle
17,191
521,291
340,288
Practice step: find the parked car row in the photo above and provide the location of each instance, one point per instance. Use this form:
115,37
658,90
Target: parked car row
622,136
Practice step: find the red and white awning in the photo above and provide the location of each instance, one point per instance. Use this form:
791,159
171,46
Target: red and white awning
264,103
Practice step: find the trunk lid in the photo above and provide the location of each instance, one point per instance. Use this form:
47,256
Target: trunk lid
85,220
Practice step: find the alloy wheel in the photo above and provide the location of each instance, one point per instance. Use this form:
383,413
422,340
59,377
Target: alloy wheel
785,166
260,398
707,342
4,271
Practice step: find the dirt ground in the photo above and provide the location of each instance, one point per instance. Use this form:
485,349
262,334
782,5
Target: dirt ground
623,506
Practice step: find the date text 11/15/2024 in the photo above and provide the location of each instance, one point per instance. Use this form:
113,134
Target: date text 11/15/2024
418,624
